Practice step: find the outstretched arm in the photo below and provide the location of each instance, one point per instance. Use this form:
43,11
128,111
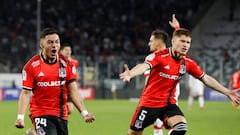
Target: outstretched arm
174,23
212,83
135,71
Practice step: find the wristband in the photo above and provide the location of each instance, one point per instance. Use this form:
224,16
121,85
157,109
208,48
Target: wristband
177,27
84,113
20,117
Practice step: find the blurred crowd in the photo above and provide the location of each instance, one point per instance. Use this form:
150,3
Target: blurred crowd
93,27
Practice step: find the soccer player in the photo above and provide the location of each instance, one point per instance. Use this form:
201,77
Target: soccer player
158,97
196,89
50,76
66,51
158,41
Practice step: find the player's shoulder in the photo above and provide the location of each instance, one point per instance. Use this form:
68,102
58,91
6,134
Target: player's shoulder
158,54
65,61
163,53
74,61
188,58
33,62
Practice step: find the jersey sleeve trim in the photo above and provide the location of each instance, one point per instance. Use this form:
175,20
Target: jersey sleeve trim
27,88
72,80
202,76
150,65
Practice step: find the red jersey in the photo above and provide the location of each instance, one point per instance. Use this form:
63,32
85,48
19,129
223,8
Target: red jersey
74,62
235,80
165,74
48,84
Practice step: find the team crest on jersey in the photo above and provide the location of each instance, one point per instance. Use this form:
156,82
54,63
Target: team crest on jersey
182,69
62,72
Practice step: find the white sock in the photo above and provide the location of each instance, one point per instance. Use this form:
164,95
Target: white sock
157,132
190,101
158,125
170,131
201,101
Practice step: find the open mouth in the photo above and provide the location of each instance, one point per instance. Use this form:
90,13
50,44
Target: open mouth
54,52
184,49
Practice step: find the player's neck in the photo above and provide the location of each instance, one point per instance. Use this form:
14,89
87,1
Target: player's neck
48,60
175,54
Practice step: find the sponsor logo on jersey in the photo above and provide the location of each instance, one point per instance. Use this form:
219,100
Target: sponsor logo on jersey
36,63
41,74
50,83
74,70
173,77
164,55
24,75
167,67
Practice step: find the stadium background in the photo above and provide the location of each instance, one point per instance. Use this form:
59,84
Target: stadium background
105,35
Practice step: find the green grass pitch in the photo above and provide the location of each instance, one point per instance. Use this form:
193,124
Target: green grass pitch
113,118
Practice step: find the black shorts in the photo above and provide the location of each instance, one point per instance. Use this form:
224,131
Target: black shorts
50,125
145,116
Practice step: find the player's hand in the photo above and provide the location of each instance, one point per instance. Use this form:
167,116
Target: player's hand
174,23
234,96
125,76
19,123
89,118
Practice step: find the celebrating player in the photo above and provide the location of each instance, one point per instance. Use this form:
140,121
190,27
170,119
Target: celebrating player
50,77
158,97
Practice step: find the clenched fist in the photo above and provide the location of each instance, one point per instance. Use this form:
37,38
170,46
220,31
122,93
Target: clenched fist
19,123
89,118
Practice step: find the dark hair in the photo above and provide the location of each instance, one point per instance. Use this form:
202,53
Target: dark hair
65,45
160,34
48,31
182,31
